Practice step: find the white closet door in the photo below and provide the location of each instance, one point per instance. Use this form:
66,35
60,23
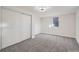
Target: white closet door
0,28
16,27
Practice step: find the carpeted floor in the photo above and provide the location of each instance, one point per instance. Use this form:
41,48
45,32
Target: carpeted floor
45,43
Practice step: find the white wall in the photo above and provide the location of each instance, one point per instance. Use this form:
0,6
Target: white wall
35,25
77,25
0,28
66,25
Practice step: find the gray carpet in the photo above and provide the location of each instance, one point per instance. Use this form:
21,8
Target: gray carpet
45,43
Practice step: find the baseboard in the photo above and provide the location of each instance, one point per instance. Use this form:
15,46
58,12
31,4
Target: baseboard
33,36
58,35
77,41
14,44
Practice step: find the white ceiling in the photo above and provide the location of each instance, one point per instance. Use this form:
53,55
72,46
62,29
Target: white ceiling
54,10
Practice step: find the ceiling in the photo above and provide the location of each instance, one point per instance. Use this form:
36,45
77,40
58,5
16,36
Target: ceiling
54,10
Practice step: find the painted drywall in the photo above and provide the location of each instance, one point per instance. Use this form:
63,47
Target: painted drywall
0,28
66,25
77,26
35,25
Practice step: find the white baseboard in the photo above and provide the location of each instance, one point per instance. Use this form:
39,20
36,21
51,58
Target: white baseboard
77,41
58,35
34,35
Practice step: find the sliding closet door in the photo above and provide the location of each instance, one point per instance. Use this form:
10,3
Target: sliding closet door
0,29
16,27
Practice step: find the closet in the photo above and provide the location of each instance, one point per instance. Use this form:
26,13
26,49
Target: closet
16,26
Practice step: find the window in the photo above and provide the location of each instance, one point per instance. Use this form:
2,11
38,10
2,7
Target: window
56,21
